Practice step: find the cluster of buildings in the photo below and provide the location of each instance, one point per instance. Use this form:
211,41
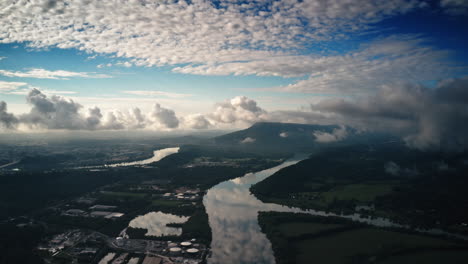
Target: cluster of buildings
177,252
93,247
183,193
104,211
156,252
78,243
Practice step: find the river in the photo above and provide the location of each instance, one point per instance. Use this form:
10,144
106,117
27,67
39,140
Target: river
233,212
157,156
233,217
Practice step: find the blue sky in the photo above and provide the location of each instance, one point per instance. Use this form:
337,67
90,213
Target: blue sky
223,63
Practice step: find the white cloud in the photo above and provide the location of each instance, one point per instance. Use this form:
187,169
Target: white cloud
124,64
22,88
46,74
403,57
337,134
7,87
248,140
164,118
239,109
175,32
196,121
100,66
426,118
158,93
57,112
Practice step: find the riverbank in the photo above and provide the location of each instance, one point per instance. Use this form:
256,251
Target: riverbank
300,238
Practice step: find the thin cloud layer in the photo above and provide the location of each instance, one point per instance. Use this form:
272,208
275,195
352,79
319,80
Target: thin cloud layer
10,87
46,74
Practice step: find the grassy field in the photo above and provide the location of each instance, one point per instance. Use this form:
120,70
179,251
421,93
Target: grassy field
164,203
361,244
359,192
123,194
297,229
336,241
434,256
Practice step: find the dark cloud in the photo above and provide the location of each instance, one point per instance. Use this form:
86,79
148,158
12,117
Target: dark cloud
392,168
7,120
112,122
55,112
139,118
165,117
94,118
427,118
337,134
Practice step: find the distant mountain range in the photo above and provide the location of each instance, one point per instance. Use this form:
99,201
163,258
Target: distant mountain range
265,136
288,137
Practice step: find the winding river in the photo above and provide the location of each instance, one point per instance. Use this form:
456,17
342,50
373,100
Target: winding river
233,213
233,217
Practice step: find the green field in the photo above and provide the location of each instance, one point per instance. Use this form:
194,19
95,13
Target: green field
297,229
124,194
167,203
359,192
325,240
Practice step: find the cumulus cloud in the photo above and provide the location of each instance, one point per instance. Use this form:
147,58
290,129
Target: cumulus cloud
196,121
427,118
94,117
239,109
337,134
164,117
112,123
57,112
46,74
7,120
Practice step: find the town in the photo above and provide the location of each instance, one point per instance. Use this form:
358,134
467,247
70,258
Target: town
89,246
